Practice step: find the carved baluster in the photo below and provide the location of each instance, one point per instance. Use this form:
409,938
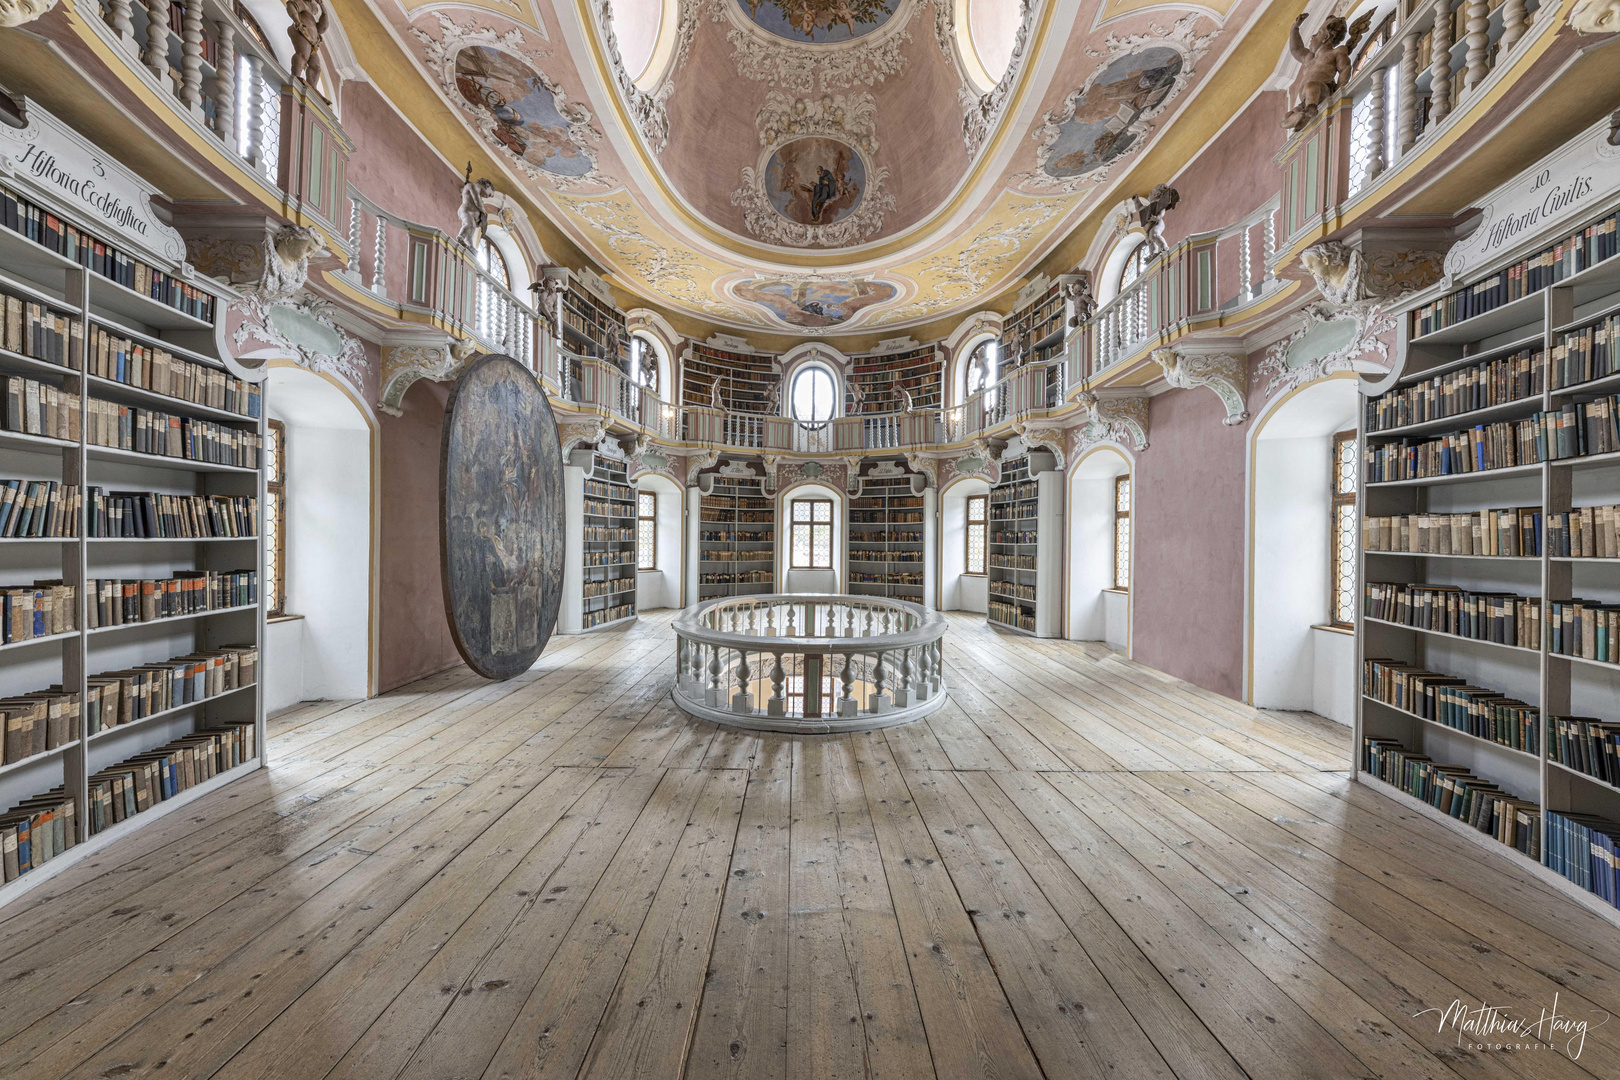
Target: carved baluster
252,95
1376,118
191,56
1514,19
354,228
1479,44
1440,63
714,676
879,701
939,666
846,702
902,694
1246,259
743,701
1406,129
778,702
379,258
118,17
925,657
224,84
156,56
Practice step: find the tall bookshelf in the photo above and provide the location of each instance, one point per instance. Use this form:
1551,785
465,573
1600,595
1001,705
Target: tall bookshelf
1497,363
748,381
887,526
920,372
608,590
1013,557
593,327
1034,333
149,689
736,539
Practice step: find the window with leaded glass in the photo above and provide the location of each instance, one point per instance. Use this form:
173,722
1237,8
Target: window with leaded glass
976,526
812,534
1343,538
491,308
1122,532
275,516
646,530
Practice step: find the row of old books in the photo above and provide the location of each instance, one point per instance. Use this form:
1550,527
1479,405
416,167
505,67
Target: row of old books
1589,629
609,558
1455,791
1582,848
608,509
147,779
1005,536
21,215
36,408
1491,382
115,602
739,577
601,489
1586,745
152,431
31,329
1503,618
745,555
1012,590
1013,562
150,367
38,610
1446,699
1587,353
607,615
723,536
1513,531
38,508
122,697
1481,448
37,723
154,515
609,587
1585,532
35,831
607,534
1580,250
1010,615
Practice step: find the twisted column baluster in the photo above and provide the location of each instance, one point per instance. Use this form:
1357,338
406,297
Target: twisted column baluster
191,56
156,56
224,84
1440,63
1406,127
1515,16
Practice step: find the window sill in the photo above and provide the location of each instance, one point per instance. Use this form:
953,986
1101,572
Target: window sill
651,570
284,618
970,573
1330,628
1118,592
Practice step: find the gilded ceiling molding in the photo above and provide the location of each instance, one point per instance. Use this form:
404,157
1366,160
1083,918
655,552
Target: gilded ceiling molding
851,119
647,110
439,54
982,111
1223,373
1123,420
978,260
1136,131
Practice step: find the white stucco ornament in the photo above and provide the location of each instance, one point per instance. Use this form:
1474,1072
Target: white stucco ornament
22,12
1595,17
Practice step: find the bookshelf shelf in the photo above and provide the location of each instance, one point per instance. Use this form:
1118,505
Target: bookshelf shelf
887,537
736,539
608,563
1544,321
76,327
1588,777
879,379
1524,754
748,381
1015,507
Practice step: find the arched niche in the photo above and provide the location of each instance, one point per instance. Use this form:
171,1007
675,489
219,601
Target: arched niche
1099,610
958,590
326,648
810,581
1295,661
660,587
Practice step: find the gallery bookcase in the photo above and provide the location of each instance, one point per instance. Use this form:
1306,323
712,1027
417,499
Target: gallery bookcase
881,377
736,539
76,321
1508,739
608,571
888,527
747,380
1012,559
593,327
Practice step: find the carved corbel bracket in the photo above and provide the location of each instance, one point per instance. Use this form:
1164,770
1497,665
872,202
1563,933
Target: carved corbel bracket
1049,437
852,477
1223,373
587,432
928,466
1122,420
404,364
703,459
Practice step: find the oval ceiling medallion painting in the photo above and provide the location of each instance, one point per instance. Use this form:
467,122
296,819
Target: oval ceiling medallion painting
819,22
814,303
1104,123
501,517
527,121
815,181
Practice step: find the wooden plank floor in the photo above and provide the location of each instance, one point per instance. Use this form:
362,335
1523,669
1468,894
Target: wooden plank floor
1079,868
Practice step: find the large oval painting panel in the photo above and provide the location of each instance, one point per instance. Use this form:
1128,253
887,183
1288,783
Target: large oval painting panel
501,525
819,22
1107,118
527,121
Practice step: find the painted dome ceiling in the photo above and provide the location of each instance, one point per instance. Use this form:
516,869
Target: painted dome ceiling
820,166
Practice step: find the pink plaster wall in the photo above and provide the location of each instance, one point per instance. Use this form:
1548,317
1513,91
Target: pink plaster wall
1188,537
414,634
391,165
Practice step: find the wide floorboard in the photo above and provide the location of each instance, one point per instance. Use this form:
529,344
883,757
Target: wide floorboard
1079,868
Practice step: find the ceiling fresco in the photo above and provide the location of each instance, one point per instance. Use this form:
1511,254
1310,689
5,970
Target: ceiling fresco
816,166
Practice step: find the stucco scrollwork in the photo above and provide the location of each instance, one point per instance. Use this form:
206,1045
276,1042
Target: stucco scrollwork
1123,420
1223,373
1051,438
647,110
1595,17
981,111
22,12
1346,277
696,463
402,365
586,432
928,466
801,68
851,119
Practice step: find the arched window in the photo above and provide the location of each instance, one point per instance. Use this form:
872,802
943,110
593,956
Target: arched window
812,395
983,369
644,364
1135,263
491,304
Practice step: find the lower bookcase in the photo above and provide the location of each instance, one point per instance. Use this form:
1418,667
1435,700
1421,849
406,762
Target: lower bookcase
889,533
599,541
736,553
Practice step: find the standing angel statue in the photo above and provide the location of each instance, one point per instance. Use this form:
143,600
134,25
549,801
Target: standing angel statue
309,23
471,213
1324,63
1150,214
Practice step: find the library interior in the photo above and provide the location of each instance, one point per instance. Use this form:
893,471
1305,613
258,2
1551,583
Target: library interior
809,539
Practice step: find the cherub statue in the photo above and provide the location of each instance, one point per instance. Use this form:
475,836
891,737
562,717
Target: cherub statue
22,12
905,400
1085,304
715,401
471,213
1150,214
857,397
1595,17
309,23
1324,63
